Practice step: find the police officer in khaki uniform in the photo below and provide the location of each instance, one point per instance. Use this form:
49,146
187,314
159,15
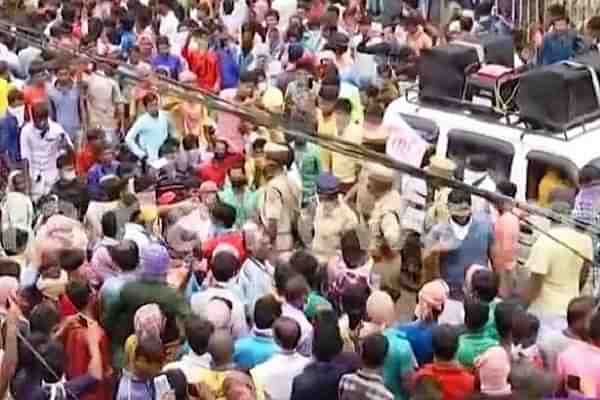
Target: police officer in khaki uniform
280,205
385,227
332,218
359,195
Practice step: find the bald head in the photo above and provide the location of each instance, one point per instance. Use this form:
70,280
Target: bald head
220,347
239,386
287,333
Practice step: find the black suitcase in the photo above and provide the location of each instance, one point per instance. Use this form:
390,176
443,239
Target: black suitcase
492,48
560,96
442,71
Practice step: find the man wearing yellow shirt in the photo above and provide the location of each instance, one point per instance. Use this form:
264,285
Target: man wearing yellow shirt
328,95
345,168
5,87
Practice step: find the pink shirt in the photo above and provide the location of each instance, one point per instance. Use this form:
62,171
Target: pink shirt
506,241
581,360
228,125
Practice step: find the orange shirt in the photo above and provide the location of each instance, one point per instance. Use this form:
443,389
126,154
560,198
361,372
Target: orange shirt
33,95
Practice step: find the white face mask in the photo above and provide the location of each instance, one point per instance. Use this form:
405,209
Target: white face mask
19,113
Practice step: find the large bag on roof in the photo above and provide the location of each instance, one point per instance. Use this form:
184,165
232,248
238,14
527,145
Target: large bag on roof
442,71
561,95
491,48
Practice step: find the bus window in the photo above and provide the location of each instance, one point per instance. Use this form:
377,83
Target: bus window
546,172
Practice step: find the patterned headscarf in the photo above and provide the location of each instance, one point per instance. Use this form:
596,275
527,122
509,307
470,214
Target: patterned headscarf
432,296
494,367
52,288
149,320
469,277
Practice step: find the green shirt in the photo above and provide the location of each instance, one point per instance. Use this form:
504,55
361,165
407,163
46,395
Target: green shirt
471,346
308,160
315,303
399,362
490,327
245,205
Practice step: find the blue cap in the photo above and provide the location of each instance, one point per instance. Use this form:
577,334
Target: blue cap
327,184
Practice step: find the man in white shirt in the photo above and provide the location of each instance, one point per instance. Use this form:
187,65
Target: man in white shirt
206,304
42,142
198,332
168,22
276,375
295,293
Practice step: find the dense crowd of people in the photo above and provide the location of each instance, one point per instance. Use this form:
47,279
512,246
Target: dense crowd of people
155,248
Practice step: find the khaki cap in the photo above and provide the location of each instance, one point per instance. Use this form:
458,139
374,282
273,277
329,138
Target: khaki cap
276,152
441,166
380,173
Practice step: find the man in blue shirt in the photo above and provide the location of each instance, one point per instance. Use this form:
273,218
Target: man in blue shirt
561,44
165,60
106,165
260,345
10,127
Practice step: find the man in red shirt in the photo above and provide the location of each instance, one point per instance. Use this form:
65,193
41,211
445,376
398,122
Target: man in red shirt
35,91
74,339
216,170
202,61
455,381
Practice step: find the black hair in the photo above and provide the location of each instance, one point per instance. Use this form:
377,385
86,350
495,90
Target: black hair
484,284
162,40
507,188
296,288
354,302
343,106
374,350
484,8
224,266
588,173
128,23
228,6
79,293
444,340
329,92
272,13
266,310
525,328
224,213
458,196
189,142
71,259
476,314
287,331
503,317
126,255
306,265
327,340
198,332
178,383
579,308
54,354
283,272
594,329
43,318
10,268
64,160
109,224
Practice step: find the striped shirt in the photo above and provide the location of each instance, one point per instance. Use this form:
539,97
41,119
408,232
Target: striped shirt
363,385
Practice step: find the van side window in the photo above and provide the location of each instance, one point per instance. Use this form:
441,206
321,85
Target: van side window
499,153
546,172
425,127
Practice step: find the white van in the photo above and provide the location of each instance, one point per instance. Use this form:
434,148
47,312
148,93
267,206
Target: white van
515,153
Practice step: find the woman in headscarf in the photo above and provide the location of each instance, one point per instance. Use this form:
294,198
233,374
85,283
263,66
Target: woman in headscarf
149,324
102,266
16,208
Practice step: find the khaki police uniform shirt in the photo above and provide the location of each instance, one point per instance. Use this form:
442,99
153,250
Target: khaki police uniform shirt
330,223
384,225
365,202
281,202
